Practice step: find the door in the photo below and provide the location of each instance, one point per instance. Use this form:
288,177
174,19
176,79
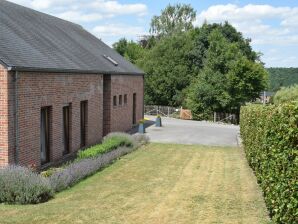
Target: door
66,130
45,135
134,108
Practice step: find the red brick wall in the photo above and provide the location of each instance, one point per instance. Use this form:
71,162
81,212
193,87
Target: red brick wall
37,90
56,90
7,139
3,117
121,116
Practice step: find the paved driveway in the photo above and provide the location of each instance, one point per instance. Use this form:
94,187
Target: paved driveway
192,132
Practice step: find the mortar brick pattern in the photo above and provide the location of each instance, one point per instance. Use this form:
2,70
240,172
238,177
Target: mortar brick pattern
37,90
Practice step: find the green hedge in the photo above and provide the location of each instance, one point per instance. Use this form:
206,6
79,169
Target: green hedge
270,139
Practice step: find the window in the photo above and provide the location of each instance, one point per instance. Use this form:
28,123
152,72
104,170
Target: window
115,101
45,135
84,122
120,100
125,99
134,108
110,59
66,129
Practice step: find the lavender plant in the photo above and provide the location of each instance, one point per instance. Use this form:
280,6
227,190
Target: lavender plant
140,139
20,185
83,168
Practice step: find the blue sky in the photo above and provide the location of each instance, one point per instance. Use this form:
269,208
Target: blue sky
272,25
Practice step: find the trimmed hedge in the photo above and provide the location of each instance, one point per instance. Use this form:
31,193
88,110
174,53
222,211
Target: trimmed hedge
270,139
286,94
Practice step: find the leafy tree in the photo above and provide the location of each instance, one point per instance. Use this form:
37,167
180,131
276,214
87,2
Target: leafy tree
201,39
121,46
168,69
227,80
173,19
129,49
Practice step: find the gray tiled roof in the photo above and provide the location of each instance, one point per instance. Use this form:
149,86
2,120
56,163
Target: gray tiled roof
34,41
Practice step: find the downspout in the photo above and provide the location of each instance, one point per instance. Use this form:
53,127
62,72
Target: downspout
16,119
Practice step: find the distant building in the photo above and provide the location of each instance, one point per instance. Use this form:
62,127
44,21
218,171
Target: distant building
266,96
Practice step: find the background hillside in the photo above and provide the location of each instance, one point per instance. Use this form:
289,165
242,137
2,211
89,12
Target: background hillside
279,77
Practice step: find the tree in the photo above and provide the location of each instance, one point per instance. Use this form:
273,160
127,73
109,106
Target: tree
121,46
173,19
202,43
168,69
227,80
129,49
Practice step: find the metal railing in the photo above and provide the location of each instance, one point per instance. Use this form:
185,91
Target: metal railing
165,111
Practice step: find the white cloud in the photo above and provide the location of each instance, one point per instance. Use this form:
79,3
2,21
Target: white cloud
252,21
114,7
85,11
77,16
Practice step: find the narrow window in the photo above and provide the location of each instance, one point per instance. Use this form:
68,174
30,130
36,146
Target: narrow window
45,135
66,129
134,108
115,101
84,122
125,99
120,100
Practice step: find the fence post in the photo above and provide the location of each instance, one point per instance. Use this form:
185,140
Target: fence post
168,111
214,117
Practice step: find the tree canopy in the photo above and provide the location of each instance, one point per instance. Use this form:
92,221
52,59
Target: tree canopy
227,80
208,68
173,19
169,70
129,49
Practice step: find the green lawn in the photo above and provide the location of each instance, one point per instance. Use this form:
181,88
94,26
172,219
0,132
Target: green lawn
160,183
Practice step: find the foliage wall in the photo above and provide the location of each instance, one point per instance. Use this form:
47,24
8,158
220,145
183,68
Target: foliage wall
282,77
270,139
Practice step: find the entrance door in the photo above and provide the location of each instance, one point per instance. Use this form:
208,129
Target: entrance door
45,135
134,108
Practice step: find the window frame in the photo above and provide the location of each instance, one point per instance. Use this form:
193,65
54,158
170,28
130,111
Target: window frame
120,101
125,99
45,116
114,101
84,123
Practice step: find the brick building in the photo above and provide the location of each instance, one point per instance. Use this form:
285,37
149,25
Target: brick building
61,88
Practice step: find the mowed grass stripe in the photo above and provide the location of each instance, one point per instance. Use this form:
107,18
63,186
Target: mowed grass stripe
160,183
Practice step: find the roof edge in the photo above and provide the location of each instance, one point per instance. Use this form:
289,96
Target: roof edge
54,70
2,62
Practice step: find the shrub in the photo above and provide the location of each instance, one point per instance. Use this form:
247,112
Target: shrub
286,94
270,139
50,171
110,142
20,185
140,139
81,169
